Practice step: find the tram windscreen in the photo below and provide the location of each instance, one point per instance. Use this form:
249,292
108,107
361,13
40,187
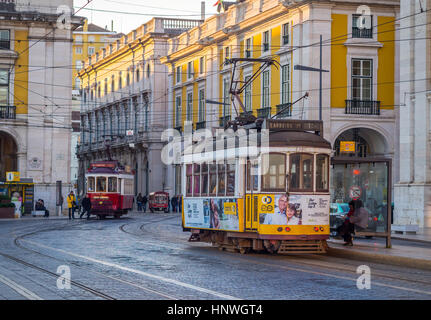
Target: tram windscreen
322,170
90,184
101,184
112,184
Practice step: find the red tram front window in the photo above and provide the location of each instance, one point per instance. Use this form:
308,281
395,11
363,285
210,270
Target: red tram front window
101,184
90,184
112,184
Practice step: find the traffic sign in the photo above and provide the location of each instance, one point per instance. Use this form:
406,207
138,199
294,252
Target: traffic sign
355,192
347,146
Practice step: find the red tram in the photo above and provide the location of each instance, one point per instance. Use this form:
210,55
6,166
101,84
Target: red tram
110,188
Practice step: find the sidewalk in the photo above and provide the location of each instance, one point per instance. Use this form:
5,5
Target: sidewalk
414,250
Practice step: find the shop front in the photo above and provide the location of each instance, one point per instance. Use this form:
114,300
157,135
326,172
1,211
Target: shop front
21,194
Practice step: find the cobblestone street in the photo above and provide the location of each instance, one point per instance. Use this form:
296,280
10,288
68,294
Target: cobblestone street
148,257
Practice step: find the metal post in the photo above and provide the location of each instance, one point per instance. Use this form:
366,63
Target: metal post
320,84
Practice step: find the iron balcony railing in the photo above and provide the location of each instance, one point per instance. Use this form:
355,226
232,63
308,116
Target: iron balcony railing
201,125
362,33
284,110
264,112
7,112
363,107
224,120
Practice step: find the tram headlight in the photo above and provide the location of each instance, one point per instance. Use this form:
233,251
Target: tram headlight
287,229
316,229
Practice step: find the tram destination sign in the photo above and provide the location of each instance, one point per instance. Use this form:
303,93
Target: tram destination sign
294,125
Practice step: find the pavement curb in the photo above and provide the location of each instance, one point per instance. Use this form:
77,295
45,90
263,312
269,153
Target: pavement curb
380,258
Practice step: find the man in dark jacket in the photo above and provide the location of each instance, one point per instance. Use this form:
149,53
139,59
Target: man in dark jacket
86,207
144,203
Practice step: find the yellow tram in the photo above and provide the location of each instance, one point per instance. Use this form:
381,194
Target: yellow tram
276,200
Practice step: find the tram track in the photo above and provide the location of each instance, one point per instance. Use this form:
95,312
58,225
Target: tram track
77,284
299,261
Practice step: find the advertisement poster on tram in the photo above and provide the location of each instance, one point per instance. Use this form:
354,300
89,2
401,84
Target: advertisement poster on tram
211,213
297,210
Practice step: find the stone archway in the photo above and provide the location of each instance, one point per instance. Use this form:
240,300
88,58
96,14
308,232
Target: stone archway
8,154
369,142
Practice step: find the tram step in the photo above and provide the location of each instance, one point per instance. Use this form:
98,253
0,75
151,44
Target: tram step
295,247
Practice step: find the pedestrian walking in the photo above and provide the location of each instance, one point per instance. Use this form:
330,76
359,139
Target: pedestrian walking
139,201
174,203
86,207
347,228
180,203
71,204
144,203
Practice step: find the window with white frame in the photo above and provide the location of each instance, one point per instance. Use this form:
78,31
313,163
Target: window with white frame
247,95
285,84
78,65
78,50
201,104
189,110
362,26
226,104
178,74
227,53
4,87
77,83
91,50
178,111
248,48
285,33
265,42
265,89
78,39
91,39
202,65
362,79
190,71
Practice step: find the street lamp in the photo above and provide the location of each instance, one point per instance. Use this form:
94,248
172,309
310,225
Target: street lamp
320,70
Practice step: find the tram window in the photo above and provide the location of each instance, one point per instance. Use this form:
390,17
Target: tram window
90,184
230,179
128,186
189,179
221,190
112,184
204,186
197,180
213,179
101,184
322,170
252,176
274,172
301,172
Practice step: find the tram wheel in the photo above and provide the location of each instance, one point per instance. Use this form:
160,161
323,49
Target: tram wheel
244,250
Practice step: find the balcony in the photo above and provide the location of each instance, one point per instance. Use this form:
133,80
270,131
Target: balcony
362,33
201,125
7,112
284,110
264,113
224,120
366,107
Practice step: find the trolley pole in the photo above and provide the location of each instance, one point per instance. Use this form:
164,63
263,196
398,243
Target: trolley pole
320,70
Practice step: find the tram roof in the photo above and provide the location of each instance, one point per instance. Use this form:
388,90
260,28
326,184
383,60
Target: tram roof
297,138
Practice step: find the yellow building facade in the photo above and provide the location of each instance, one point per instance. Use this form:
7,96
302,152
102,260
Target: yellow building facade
359,51
87,40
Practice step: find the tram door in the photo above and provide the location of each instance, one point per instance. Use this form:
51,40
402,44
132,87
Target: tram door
251,217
